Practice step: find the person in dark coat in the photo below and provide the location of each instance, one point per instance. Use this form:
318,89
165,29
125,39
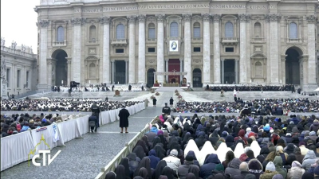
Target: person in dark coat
129,87
120,172
95,119
159,168
171,101
154,101
153,158
124,114
96,110
209,165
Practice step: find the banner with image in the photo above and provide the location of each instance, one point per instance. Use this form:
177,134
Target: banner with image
173,45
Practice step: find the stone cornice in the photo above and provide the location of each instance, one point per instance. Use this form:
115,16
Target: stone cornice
206,17
77,21
43,23
187,17
104,20
273,17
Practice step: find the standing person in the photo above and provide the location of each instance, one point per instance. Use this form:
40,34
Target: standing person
96,110
94,118
171,101
235,95
124,114
129,87
112,87
154,101
166,109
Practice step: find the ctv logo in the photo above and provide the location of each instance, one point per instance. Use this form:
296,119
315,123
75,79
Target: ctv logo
44,153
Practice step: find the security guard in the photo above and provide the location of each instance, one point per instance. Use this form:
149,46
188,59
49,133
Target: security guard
96,110
166,109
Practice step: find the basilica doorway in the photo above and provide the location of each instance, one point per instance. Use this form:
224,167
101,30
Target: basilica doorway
61,68
197,78
150,77
229,76
120,72
293,66
174,66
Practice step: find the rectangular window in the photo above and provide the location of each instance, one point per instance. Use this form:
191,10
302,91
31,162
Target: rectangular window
151,33
196,32
27,79
229,49
196,49
120,50
152,49
8,77
18,78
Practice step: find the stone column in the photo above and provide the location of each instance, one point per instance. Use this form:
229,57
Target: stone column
126,71
4,78
69,62
273,47
223,73
113,72
106,50
283,68
243,56
43,50
49,72
206,49
236,71
217,36
131,71
77,51
141,49
160,47
181,70
311,68
166,70
187,48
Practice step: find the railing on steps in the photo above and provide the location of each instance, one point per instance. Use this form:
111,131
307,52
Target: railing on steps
111,166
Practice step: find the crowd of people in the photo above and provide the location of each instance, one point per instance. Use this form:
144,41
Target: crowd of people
257,106
287,87
224,148
58,105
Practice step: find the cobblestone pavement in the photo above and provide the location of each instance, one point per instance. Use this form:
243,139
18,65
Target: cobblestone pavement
83,158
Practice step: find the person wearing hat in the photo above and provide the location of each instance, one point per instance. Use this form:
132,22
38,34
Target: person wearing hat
173,161
124,114
270,171
183,169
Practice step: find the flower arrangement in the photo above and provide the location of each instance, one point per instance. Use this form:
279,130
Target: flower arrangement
157,94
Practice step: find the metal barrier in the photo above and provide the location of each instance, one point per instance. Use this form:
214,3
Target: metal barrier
123,153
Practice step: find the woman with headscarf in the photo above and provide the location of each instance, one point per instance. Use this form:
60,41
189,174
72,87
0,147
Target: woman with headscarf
255,167
229,140
160,152
229,157
280,152
144,138
241,135
290,149
153,158
156,141
296,171
289,161
195,170
270,157
210,162
133,162
186,138
170,173
159,168
139,151
200,140
233,168
279,166
192,154
110,175
120,172
144,173
125,163
145,162
142,144
298,155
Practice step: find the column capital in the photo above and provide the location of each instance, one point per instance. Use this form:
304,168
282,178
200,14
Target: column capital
187,17
77,21
206,17
141,18
43,23
104,20
131,19
311,19
273,17
112,61
160,17
50,61
244,17
216,17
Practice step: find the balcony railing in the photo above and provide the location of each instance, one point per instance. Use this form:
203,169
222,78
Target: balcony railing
119,42
257,39
151,39
197,39
93,41
59,44
294,40
229,40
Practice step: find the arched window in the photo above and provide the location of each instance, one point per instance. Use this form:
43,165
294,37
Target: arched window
196,30
92,71
229,30
151,31
257,29
60,34
120,32
92,33
258,69
293,31
174,29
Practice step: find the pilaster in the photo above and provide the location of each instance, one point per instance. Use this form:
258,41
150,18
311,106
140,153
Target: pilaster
187,48
141,49
311,34
206,50
77,43
68,63
160,47
243,47
131,70
217,67
105,21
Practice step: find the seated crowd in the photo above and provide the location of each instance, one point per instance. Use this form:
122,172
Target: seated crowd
83,105
23,122
258,106
221,148
287,87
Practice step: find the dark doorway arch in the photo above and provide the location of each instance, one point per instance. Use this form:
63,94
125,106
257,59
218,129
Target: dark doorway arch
120,72
197,78
293,66
61,67
150,77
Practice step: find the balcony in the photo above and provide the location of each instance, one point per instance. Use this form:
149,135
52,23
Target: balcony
119,42
197,39
59,44
151,40
294,40
229,41
258,39
93,41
